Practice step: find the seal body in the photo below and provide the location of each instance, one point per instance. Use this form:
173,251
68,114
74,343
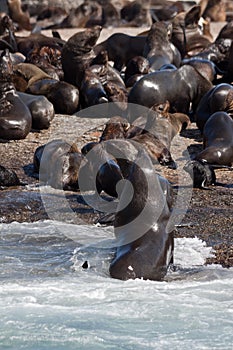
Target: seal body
15,118
144,244
219,98
57,163
218,140
121,48
180,87
41,109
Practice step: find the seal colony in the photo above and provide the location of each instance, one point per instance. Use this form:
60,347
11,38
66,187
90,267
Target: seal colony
176,70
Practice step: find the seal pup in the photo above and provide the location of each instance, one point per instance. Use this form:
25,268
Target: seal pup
135,69
144,245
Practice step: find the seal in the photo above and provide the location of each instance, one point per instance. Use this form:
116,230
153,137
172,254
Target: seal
180,87
186,32
160,128
165,125
121,48
204,66
101,171
144,245
57,164
41,109
22,18
63,96
115,128
15,117
219,98
91,90
137,14
77,54
158,48
8,177
217,140
203,174
135,69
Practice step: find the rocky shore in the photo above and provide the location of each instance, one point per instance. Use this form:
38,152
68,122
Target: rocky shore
208,215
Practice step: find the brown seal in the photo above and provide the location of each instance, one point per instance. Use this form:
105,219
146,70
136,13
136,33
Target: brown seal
63,96
91,90
78,53
218,140
57,163
22,18
135,69
158,48
15,117
115,128
144,245
41,109
219,98
121,48
186,34
180,87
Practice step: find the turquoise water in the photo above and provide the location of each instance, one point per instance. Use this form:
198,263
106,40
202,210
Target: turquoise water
48,301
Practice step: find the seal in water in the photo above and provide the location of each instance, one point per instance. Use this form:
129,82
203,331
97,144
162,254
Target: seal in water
144,242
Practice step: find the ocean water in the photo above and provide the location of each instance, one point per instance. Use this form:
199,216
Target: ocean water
49,301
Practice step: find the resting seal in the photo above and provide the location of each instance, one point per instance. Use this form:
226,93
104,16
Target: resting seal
218,140
41,109
63,96
203,174
121,48
219,98
180,87
144,245
57,163
15,117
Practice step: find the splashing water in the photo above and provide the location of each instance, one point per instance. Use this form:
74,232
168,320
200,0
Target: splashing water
49,301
